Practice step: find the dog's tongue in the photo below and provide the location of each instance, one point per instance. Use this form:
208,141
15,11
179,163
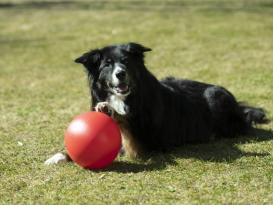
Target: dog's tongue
122,87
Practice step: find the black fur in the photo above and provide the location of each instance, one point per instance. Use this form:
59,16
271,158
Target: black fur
171,112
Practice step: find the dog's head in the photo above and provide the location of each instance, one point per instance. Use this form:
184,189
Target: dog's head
114,69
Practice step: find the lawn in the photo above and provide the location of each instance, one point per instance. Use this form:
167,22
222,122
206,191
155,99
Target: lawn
222,42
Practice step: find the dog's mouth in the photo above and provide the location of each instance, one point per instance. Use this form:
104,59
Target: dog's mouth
121,89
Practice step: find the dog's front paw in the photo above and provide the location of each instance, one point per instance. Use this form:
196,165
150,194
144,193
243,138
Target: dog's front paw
56,159
105,108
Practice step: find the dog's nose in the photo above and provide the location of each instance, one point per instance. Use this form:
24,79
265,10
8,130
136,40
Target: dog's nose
121,75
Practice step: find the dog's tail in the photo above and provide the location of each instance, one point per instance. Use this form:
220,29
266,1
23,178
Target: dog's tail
254,115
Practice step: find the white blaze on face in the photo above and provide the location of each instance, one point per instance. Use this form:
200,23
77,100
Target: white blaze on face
116,70
116,101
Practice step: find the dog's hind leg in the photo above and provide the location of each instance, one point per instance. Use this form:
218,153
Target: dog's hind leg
254,115
228,119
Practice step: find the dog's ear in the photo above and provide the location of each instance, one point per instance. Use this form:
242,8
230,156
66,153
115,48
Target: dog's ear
136,48
89,59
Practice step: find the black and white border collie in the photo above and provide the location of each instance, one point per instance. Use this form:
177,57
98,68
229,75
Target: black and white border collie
157,115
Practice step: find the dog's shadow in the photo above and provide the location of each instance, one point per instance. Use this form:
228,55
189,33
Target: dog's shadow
225,150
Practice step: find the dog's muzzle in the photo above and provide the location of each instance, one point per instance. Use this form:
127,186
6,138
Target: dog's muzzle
120,82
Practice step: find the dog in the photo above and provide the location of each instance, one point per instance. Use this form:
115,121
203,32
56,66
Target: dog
158,115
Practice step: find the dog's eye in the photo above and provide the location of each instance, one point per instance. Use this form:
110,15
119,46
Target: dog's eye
124,60
109,61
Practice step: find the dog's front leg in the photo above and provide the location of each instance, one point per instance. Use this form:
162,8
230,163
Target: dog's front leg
57,159
105,108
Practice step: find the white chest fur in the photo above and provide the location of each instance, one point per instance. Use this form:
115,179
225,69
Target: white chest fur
117,103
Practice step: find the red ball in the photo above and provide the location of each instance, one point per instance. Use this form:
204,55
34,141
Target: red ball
93,140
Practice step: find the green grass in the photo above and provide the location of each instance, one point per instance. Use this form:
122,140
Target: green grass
41,89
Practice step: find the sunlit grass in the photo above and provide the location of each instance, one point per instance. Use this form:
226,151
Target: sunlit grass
41,89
